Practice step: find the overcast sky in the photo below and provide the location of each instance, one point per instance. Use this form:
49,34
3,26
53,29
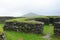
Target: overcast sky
21,7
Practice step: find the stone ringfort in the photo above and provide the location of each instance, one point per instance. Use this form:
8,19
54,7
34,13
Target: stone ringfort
33,25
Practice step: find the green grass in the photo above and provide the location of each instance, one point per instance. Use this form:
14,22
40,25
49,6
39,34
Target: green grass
15,36
49,29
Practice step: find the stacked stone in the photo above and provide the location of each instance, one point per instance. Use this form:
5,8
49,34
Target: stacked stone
10,26
2,37
45,20
52,20
25,27
32,28
56,20
57,28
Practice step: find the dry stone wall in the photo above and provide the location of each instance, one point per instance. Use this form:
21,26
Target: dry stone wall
57,28
2,37
45,20
52,20
24,27
3,19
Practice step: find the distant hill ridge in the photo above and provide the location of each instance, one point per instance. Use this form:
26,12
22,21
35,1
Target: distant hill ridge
30,15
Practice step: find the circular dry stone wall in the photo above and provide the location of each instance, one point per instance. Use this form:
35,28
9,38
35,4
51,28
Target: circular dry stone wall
25,27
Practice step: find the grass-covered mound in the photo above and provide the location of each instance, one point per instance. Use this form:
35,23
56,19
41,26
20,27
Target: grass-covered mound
24,20
24,25
17,20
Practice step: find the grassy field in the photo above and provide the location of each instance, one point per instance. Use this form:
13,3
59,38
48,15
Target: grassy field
12,35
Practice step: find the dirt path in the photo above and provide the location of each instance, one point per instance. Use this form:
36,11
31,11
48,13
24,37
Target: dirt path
47,36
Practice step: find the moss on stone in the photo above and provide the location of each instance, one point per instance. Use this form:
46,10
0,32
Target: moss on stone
30,22
57,22
17,20
53,16
40,17
1,31
24,20
46,17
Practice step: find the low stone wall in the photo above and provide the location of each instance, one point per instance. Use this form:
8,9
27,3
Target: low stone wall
45,20
24,27
2,37
3,19
52,20
57,28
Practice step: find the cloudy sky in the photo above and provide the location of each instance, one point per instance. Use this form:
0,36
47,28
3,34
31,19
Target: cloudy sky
21,7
